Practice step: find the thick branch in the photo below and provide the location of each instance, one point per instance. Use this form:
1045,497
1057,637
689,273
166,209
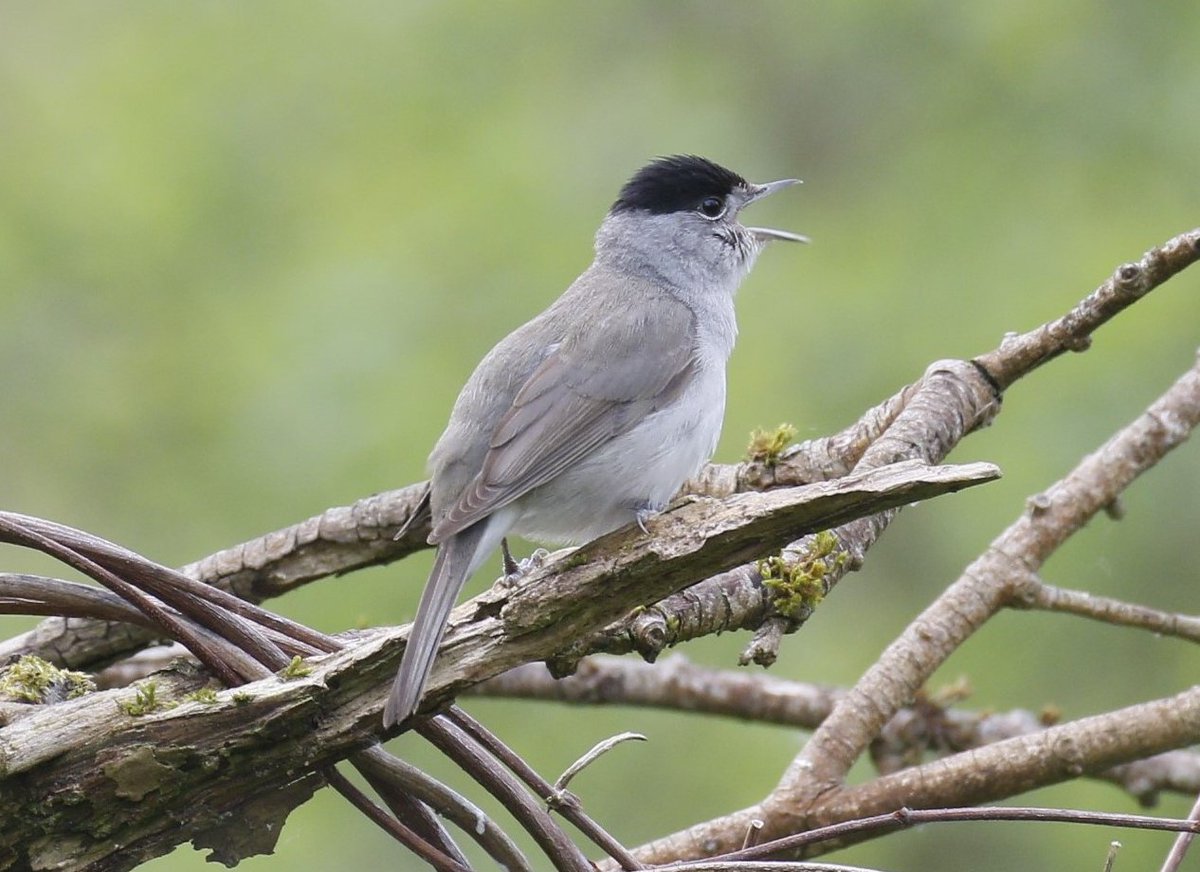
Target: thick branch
921,728
616,573
240,745
988,584
967,604
263,736
923,421
1087,746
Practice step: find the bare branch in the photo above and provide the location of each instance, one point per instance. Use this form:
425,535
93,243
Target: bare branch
1111,857
1184,841
672,683
559,848
910,817
230,749
1019,355
1033,593
919,728
383,772
436,858
566,804
984,587
988,583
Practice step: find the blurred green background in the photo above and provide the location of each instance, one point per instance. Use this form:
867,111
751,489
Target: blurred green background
250,251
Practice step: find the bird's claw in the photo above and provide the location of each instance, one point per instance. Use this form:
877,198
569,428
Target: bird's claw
644,513
515,570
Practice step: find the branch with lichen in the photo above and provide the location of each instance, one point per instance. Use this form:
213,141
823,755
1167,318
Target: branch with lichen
277,674
959,395
772,567
811,792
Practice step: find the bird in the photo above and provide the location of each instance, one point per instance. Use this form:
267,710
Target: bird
593,414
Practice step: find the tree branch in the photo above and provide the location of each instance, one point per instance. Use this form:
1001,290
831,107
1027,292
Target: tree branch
236,751
924,726
231,750
813,780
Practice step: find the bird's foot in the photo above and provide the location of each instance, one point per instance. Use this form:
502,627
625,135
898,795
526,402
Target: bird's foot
511,567
644,512
515,570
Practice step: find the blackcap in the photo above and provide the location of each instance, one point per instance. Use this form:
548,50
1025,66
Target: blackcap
593,414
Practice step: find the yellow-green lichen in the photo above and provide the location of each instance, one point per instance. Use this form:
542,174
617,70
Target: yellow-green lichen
1050,715
575,558
137,774
766,446
144,701
34,680
296,669
797,587
952,693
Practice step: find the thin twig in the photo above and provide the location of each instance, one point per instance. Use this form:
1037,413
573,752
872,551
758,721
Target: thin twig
909,817
675,684
163,581
594,754
571,811
456,744
393,827
1020,354
1111,857
1033,593
753,834
177,627
984,586
394,779
1184,841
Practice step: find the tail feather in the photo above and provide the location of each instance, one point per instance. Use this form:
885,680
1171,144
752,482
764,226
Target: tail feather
455,561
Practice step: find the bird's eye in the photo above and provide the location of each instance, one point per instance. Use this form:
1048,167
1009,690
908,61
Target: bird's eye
712,207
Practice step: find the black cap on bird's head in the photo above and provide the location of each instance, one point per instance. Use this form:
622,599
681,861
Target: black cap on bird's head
687,183
676,183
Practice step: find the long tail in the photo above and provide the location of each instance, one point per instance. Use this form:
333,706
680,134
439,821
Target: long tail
456,559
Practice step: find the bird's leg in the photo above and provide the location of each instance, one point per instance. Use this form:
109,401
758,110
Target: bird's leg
511,567
643,512
515,570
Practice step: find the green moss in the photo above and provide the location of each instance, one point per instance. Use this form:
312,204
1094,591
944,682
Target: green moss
296,669
145,700
575,558
767,445
205,695
242,698
797,588
34,680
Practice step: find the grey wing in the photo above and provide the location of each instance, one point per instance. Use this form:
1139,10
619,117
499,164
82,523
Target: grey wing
592,388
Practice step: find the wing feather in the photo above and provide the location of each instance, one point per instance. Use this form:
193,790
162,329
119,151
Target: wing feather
594,386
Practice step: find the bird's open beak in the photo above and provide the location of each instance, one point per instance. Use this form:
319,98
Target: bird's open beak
766,234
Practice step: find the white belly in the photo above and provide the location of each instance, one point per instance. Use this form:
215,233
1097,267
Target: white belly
644,466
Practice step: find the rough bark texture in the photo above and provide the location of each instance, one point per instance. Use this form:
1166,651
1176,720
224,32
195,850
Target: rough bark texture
85,784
